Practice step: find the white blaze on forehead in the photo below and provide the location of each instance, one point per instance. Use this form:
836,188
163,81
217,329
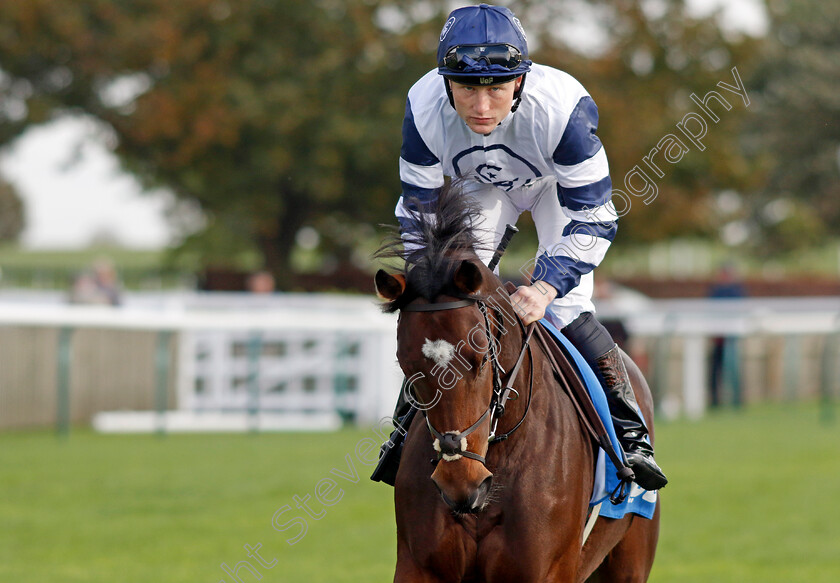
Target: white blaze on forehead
439,351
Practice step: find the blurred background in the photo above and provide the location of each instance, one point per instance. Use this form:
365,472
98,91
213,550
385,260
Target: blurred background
190,193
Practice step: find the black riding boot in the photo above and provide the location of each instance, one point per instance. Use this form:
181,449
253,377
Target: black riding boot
628,422
391,451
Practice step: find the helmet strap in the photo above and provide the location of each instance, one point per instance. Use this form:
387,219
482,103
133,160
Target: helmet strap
517,96
449,92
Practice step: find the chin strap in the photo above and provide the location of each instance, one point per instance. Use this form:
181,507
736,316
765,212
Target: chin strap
517,97
449,92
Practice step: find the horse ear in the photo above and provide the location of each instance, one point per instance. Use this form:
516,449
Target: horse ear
468,276
389,287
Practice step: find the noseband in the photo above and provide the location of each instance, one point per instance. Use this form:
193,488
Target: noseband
452,445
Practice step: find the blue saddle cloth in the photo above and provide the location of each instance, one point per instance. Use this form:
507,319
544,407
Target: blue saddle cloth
638,501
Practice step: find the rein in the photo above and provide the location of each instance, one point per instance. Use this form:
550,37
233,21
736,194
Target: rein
452,445
505,394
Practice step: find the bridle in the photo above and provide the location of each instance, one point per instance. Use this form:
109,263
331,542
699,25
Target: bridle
452,445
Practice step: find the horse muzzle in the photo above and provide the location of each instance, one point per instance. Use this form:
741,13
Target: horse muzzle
463,485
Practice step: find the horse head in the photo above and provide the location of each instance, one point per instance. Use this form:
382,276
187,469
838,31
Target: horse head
453,349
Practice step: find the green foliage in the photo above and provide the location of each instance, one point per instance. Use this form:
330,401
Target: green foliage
267,114
656,56
274,115
796,135
221,245
12,216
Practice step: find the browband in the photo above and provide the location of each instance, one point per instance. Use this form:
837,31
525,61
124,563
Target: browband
438,306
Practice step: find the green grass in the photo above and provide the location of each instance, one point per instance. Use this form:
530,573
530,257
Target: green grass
754,497
12,256
56,269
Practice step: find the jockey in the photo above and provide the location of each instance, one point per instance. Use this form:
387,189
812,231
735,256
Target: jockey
518,149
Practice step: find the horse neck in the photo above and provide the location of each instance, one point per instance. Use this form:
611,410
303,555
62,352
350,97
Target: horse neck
550,404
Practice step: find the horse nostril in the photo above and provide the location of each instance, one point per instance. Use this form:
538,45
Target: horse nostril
479,497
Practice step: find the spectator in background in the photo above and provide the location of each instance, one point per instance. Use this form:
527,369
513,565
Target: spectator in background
724,358
100,285
261,282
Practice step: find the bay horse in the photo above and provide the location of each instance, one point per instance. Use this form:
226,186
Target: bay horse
471,507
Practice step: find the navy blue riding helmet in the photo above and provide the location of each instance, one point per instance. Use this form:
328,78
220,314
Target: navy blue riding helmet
483,45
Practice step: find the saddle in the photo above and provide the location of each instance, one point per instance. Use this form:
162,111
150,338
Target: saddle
570,381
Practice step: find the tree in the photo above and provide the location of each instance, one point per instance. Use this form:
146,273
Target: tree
796,134
269,115
12,216
273,115
654,56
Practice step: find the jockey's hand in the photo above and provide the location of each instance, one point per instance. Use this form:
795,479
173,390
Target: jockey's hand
530,301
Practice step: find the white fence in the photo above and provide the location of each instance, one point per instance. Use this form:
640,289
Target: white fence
230,361
285,361
787,347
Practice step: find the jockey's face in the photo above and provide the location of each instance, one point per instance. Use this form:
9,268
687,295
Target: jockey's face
483,108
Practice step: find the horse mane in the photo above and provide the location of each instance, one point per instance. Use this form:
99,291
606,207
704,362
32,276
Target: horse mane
430,254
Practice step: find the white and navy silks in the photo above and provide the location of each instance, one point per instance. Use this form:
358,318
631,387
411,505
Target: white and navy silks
544,158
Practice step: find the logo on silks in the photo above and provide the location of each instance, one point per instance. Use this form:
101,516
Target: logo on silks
497,165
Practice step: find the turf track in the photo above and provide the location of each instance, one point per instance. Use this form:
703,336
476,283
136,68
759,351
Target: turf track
755,496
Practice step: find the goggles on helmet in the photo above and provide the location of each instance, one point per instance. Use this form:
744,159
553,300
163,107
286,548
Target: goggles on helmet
463,57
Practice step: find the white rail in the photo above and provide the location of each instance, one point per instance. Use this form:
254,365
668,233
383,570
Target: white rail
354,339
249,356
